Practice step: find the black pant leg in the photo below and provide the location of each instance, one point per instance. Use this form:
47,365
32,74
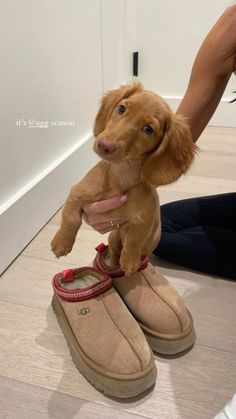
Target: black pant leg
200,233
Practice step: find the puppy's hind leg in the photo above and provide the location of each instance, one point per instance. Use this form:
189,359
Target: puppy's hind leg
115,247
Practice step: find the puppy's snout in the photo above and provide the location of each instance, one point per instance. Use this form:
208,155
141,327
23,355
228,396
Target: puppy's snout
105,148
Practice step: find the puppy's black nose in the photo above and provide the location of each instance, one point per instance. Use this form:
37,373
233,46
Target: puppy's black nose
105,148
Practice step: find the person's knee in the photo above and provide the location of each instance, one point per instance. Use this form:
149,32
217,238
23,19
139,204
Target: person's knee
167,223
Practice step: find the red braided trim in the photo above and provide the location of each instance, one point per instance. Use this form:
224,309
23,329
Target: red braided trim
79,294
101,266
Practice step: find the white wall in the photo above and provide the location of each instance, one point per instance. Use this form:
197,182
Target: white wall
51,71
169,34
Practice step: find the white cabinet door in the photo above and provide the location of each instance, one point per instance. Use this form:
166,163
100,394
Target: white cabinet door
118,40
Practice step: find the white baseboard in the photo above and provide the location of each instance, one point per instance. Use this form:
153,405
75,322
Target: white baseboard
223,117
25,213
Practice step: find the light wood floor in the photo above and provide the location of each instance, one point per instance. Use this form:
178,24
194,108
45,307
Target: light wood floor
38,378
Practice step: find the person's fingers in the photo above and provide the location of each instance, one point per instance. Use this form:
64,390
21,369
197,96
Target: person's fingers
106,228
105,205
107,225
93,219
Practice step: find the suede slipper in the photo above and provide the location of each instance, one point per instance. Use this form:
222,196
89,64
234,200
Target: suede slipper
106,343
153,302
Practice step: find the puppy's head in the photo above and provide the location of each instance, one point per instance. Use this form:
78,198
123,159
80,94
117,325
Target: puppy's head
133,124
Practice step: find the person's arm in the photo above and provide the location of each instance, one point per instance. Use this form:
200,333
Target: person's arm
211,71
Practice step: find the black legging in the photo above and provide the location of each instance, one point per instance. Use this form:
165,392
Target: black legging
200,233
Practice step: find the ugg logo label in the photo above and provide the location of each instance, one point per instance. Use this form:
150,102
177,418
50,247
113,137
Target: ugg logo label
84,310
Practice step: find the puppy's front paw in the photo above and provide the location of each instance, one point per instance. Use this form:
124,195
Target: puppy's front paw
61,244
129,265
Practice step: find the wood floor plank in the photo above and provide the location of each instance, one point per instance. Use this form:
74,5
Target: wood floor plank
38,355
201,185
215,165
21,400
211,302
82,253
218,139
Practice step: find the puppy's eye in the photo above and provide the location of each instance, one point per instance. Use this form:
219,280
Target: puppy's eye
148,129
121,109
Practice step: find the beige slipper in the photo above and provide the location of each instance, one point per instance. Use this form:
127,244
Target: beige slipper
154,303
105,341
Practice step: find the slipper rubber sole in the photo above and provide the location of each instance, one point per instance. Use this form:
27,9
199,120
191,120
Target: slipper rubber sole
171,346
116,386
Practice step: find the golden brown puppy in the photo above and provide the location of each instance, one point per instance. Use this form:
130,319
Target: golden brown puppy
142,145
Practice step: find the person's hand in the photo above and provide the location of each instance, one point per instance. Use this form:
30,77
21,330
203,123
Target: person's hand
95,214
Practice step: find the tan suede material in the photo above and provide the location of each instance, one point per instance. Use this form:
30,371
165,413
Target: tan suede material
108,334
154,303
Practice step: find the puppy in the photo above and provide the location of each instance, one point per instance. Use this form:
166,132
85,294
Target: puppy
142,145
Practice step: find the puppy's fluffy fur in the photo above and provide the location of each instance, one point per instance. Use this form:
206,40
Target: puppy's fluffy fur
142,145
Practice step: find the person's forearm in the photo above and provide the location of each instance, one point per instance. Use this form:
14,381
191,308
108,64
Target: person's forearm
211,71
199,104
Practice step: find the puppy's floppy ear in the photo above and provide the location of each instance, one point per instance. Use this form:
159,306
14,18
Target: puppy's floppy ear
174,155
109,101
